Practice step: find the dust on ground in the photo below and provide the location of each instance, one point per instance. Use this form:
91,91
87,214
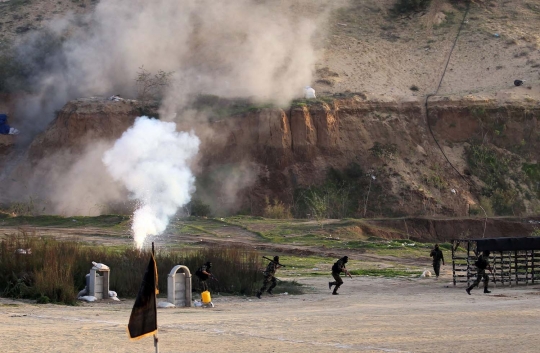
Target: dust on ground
369,315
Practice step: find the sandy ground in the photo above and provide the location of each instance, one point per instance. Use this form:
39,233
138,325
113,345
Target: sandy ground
370,315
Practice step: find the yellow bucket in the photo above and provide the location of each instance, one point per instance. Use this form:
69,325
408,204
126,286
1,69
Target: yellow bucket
206,299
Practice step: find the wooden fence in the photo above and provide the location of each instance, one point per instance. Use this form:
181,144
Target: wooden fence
510,268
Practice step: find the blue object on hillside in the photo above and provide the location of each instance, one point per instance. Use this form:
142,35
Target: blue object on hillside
4,127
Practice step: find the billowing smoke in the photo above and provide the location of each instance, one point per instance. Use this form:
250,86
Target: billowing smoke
152,160
258,49
242,48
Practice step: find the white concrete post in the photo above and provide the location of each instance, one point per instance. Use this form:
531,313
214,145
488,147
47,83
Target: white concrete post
99,283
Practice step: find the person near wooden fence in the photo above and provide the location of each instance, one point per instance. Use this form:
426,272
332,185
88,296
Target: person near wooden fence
437,256
482,263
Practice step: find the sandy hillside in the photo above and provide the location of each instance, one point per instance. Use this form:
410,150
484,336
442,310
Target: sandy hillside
368,51
370,315
362,48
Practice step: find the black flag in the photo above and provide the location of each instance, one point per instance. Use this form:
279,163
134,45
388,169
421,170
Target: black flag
143,319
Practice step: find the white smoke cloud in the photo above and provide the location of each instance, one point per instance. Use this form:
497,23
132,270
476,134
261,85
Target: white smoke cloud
152,160
242,48
261,49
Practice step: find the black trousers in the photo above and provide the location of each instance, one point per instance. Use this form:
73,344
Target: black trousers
437,268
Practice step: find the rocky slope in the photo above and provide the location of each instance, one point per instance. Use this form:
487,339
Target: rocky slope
402,169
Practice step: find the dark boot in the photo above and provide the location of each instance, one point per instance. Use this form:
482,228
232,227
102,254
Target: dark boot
259,294
269,291
335,290
330,284
468,290
486,290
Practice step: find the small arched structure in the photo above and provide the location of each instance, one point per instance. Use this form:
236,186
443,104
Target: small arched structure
179,286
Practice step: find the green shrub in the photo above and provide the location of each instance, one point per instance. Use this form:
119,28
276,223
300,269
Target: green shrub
533,174
507,202
407,6
474,210
199,208
43,300
341,195
57,269
497,171
276,210
150,87
384,151
17,286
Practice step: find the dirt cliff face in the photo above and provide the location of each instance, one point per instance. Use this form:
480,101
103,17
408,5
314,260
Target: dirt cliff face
296,147
403,171
81,122
390,141
512,126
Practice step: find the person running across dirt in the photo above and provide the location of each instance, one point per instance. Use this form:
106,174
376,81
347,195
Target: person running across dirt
482,263
437,256
269,276
203,273
337,269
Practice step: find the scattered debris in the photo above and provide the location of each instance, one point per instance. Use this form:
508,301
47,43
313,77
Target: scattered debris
88,298
116,98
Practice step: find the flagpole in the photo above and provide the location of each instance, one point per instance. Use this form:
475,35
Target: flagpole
156,342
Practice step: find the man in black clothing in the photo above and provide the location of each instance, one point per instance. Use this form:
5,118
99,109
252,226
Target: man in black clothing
437,256
337,268
203,273
482,263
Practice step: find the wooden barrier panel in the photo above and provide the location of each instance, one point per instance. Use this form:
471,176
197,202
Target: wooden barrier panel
512,267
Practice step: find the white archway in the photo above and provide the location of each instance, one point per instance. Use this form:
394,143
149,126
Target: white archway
179,286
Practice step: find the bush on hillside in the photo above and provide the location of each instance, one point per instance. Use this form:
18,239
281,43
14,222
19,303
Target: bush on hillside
407,6
198,208
341,195
276,210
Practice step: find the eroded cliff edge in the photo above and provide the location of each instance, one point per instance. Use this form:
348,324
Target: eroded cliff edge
383,148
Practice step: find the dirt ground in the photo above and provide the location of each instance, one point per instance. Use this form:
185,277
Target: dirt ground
369,315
